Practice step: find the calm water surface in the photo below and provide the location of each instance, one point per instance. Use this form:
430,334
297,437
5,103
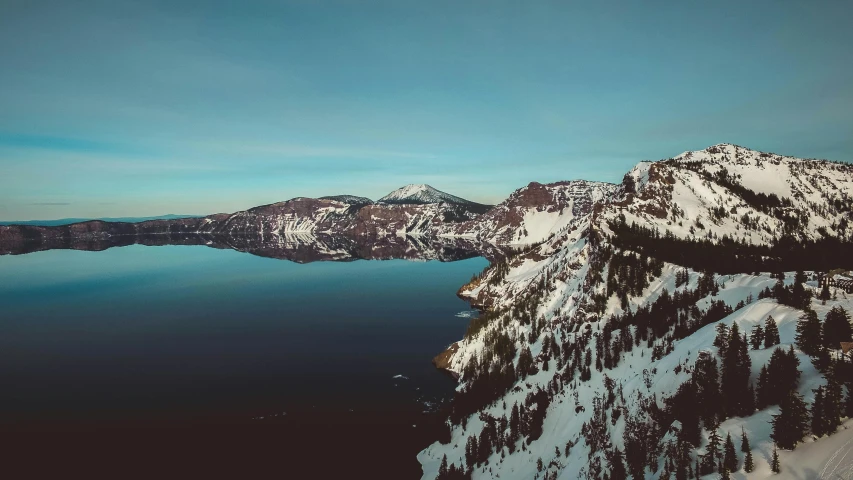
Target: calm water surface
178,334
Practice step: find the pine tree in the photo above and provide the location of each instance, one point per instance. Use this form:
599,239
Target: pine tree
832,408
848,403
748,463
791,424
525,363
682,461
744,441
774,462
779,289
836,328
822,359
730,458
666,474
471,453
514,423
709,398
442,470
757,337
722,338
771,332
818,420
808,333
682,407
485,446
780,376
763,394
725,475
750,399
616,465
800,297
681,277
712,452
735,379
706,284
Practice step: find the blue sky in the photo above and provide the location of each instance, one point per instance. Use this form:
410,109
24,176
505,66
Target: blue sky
120,108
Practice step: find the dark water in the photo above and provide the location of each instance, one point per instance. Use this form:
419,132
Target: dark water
181,347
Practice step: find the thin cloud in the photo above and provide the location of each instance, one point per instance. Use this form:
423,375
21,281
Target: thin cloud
49,204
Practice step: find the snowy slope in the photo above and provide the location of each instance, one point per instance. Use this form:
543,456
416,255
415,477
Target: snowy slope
421,193
563,423
825,458
534,213
557,279
680,195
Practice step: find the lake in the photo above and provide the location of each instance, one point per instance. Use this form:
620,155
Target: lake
188,346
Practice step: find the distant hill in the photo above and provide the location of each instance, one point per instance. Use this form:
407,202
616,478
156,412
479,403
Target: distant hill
69,221
349,199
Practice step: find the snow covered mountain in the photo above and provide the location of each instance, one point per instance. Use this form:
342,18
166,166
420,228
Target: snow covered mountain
417,194
534,213
747,195
333,216
418,214
585,361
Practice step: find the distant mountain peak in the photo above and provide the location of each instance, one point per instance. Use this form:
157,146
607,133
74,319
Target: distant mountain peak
421,193
349,199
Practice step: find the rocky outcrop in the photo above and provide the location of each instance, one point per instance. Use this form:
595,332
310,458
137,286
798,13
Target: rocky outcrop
442,360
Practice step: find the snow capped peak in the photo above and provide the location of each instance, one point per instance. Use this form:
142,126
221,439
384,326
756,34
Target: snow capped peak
413,189
726,153
419,193
747,195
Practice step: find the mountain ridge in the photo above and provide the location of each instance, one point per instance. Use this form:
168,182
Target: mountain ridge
536,212
588,337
